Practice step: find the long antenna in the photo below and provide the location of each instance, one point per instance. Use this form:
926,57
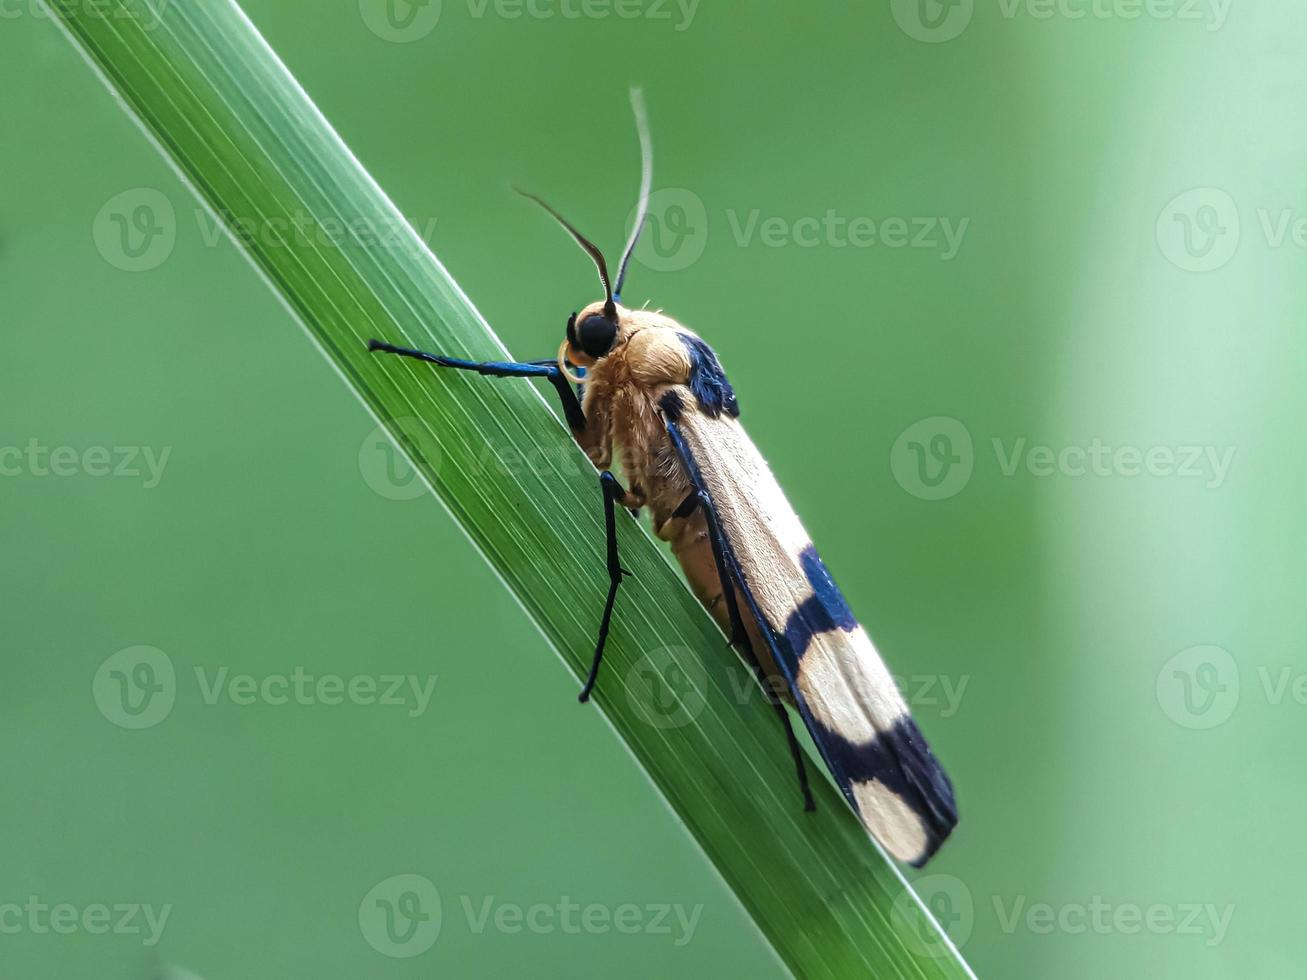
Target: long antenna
591,249
646,182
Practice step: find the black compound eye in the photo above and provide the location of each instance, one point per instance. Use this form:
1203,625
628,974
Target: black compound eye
571,330
597,334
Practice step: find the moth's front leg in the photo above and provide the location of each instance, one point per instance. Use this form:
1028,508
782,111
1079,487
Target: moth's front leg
594,437
503,369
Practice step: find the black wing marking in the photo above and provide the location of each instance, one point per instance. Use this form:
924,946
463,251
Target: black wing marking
884,778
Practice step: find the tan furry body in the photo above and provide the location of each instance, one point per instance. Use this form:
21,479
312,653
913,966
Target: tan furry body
622,391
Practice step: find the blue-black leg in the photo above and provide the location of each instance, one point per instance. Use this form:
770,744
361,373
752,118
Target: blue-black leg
613,492
740,637
501,369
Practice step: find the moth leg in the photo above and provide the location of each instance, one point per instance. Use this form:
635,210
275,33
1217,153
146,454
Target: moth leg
700,499
613,493
502,369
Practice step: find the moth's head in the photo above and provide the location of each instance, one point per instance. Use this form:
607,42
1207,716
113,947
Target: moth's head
595,331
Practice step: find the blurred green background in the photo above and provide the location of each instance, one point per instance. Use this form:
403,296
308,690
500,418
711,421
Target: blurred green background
1012,294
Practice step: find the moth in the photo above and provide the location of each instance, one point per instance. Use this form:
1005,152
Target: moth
637,382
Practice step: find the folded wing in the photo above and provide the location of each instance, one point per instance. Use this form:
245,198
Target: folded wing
841,687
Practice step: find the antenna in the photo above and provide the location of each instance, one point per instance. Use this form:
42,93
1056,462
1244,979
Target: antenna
591,249
646,182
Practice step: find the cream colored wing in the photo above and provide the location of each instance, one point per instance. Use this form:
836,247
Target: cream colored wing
844,693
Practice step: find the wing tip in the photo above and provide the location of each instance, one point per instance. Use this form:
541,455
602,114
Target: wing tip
938,807
900,792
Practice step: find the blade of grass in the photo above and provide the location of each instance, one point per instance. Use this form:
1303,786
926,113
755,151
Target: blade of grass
246,137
